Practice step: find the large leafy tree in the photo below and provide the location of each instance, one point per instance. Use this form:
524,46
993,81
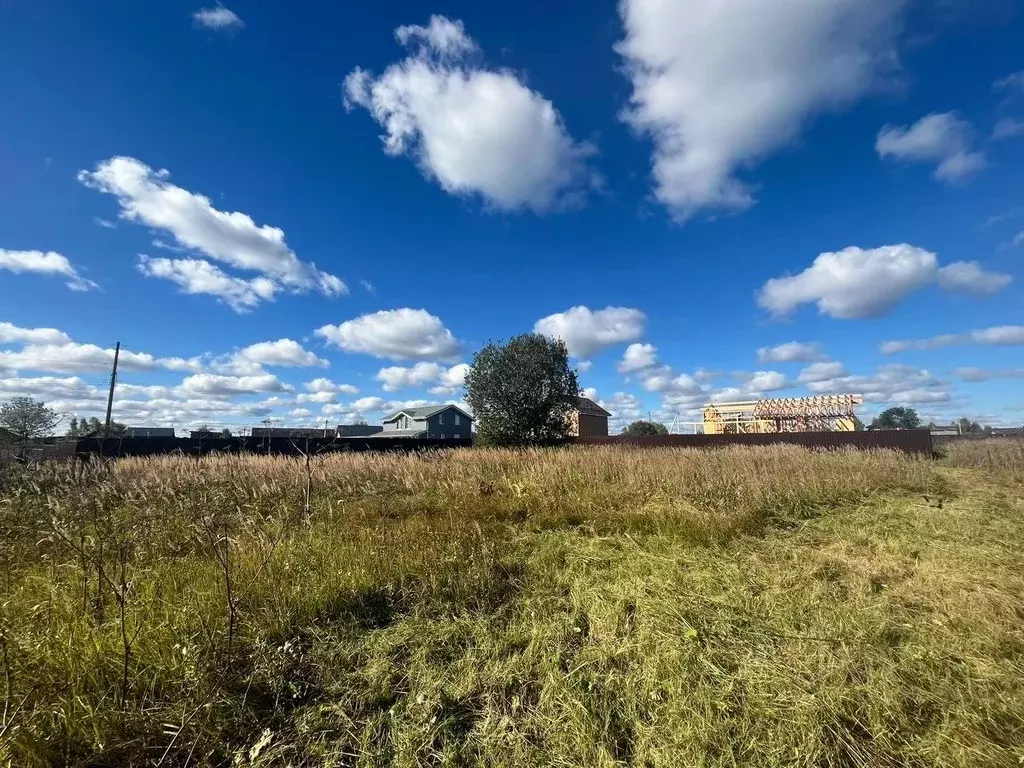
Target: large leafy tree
898,417
26,419
645,428
522,392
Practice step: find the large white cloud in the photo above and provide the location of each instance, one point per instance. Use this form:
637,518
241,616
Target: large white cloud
12,333
212,384
858,283
764,381
283,352
476,131
790,352
399,334
719,85
147,197
587,331
941,138
48,263
1002,336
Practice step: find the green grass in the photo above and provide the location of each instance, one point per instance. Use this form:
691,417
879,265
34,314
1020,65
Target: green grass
497,608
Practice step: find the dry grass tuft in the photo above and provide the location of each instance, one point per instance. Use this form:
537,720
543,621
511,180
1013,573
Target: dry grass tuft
592,607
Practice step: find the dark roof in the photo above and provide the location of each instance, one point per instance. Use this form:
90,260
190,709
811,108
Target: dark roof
1007,431
358,430
424,412
291,432
587,406
401,433
149,432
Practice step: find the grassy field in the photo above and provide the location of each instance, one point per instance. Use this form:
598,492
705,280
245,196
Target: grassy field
581,607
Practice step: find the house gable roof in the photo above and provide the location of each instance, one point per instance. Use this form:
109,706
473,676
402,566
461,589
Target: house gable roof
587,406
424,412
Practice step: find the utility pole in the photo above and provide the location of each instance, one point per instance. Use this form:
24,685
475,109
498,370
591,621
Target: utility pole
110,396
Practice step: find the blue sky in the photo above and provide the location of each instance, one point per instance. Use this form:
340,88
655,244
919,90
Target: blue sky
319,213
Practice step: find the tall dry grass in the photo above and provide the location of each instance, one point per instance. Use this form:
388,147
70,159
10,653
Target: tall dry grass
587,607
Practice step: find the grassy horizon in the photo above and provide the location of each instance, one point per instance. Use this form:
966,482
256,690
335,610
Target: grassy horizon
585,606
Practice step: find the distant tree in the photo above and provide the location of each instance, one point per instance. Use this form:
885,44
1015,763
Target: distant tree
92,425
967,427
27,419
858,425
898,417
644,428
522,392
225,432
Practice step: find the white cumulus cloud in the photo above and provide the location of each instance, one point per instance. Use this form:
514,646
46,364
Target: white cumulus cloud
587,331
49,263
212,384
398,334
198,276
326,385
764,381
476,131
941,138
969,277
790,352
283,352
858,283
1000,336
148,197
11,333
398,377
1007,128
637,357
821,372
217,18
719,86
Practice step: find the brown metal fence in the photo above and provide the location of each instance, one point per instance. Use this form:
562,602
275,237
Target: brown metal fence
906,440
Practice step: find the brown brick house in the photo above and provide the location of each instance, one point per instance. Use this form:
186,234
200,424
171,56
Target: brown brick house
588,419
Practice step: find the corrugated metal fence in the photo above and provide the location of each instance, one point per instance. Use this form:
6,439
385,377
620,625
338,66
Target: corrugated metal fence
907,440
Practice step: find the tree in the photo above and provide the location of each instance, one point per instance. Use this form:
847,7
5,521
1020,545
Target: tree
225,432
522,392
83,427
27,419
967,427
898,417
858,425
643,428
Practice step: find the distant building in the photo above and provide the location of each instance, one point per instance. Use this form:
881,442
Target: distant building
293,432
358,430
1007,432
944,430
588,419
445,422
135,432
